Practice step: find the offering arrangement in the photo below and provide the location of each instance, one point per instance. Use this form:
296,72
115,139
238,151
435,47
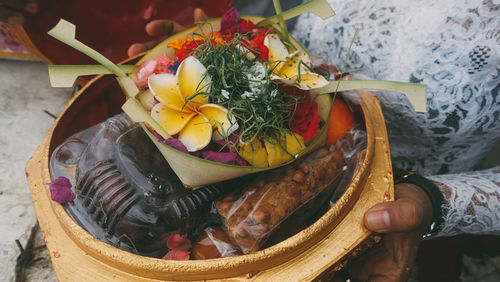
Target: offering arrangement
229,92
234,96
232,141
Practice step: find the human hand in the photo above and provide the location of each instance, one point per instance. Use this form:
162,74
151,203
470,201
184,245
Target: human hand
161,29
403,221
12,11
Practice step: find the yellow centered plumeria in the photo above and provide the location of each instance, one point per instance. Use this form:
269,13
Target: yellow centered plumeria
184,111
286,66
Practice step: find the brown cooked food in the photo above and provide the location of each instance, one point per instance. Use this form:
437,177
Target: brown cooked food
258,209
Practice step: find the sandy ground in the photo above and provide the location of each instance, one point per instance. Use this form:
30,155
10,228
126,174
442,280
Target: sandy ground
25,94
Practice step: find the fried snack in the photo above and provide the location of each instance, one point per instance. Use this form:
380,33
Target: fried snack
252,214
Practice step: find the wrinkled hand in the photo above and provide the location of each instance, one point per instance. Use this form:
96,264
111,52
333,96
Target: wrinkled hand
159,29
403,221
12,11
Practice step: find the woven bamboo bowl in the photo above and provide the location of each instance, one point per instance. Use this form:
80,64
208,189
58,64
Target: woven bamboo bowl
312,254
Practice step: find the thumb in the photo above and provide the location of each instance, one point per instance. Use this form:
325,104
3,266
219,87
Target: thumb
199,15
400,215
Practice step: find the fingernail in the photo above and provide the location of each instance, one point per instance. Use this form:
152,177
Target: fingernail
378,221
149,13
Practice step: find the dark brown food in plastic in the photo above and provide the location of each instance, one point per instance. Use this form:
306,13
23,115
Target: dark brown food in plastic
214,243
127,195
256,211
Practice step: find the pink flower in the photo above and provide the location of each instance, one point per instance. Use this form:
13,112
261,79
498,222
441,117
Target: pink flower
60,190
157,65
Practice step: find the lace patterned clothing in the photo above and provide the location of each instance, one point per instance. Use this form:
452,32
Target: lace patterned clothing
473,204
453,48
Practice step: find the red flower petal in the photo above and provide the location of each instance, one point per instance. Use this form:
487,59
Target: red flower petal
177,255
246,26
305,120
178,242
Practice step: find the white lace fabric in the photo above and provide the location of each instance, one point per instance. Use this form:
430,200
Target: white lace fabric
454,48
472,202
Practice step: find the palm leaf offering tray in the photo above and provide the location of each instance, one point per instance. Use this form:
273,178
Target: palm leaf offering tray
280,168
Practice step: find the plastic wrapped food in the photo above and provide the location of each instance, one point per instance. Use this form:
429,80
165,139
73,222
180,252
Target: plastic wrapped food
255,212
214,243
127,195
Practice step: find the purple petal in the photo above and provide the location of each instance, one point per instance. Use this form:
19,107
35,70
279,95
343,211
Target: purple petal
60,190
172,142
240,161
223,157
158,136
173,67
230,21
232,139
176,144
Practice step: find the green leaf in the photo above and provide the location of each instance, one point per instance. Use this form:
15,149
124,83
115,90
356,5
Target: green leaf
128,86
414,92
65,32
279,14
320,8
65,75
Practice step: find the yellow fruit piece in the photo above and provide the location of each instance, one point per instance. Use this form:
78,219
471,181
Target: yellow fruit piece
197,133
164,87
219,119
192,79
254,153
276,154
171,120
294,143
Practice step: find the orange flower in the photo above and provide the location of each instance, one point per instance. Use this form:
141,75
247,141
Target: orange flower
184,47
